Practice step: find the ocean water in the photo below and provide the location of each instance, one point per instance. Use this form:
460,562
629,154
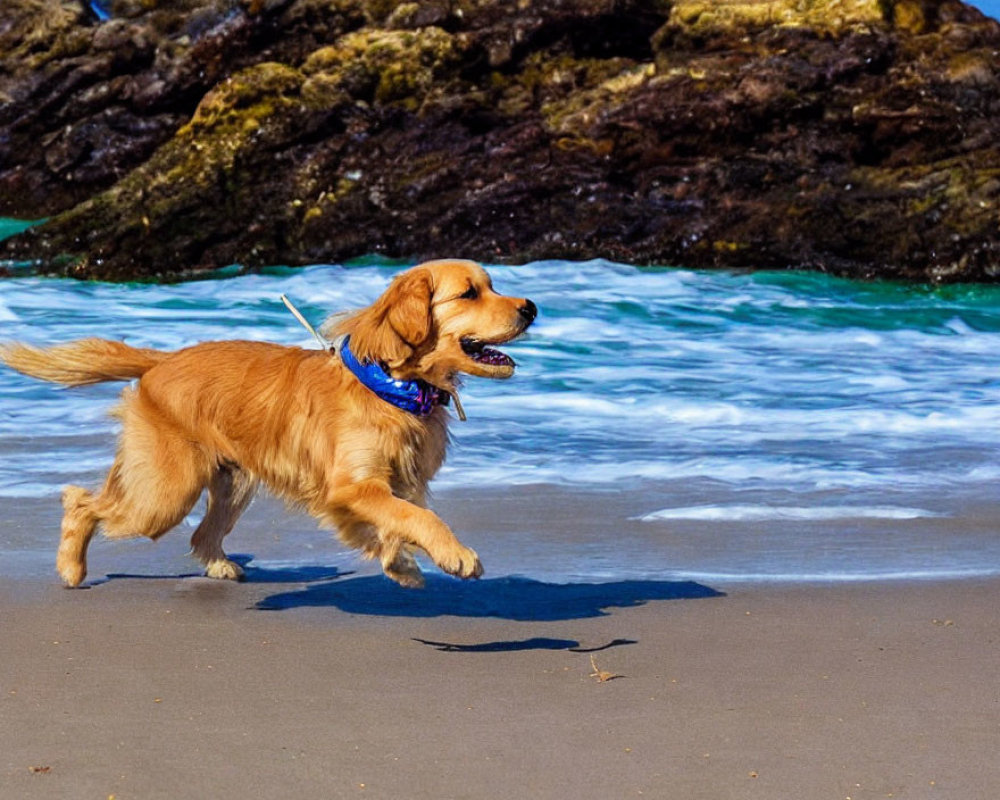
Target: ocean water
663,423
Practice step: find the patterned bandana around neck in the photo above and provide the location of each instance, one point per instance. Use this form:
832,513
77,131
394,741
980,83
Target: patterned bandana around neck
417,397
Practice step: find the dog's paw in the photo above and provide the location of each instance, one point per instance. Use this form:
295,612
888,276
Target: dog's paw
71,572
405,571
224,569
408,580
462,562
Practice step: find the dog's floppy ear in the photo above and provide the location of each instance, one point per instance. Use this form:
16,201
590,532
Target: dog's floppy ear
395,324
408,302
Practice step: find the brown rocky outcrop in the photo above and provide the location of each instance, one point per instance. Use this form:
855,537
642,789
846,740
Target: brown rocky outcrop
854,136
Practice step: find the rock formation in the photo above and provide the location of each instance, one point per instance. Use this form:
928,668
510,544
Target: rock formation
853,136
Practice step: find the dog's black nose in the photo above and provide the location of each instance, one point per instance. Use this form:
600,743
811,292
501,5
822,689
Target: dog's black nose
528,311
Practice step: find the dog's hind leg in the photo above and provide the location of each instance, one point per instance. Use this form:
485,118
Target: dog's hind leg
230,491
154,482
78,526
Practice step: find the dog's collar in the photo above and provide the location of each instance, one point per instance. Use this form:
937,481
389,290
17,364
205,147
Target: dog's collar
417,397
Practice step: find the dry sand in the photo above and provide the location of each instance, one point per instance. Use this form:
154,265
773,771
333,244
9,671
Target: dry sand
329,687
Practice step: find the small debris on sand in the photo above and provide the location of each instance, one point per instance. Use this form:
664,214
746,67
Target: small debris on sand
602,675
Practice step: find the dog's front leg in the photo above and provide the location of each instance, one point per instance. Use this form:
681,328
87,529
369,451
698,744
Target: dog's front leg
373,502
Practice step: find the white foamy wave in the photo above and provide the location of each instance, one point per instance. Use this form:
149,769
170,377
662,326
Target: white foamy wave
510,470
55,412
984,474
747,421
578,330
836,576
750,513
881,383
14,489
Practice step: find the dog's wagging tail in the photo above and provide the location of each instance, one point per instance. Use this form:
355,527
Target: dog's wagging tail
229,416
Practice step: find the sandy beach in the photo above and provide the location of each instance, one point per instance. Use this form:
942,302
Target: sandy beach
318,678
336,685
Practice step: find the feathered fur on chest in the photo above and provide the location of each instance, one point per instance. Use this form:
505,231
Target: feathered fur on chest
415,458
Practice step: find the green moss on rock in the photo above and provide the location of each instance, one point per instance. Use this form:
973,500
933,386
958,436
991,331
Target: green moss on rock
390,66
701,16
255,93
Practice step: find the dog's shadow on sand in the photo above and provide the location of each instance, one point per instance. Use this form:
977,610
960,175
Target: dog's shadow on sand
535,643
513,598
252,574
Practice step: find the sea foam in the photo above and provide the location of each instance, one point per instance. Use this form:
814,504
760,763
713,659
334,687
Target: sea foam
766,512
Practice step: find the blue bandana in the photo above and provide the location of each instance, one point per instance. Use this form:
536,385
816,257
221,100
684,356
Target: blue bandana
417,396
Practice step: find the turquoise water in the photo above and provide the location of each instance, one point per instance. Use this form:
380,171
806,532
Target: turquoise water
662,422
8,227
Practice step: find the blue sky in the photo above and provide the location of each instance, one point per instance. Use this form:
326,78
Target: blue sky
991,7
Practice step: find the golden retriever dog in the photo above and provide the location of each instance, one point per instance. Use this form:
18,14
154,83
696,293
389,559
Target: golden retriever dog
353,434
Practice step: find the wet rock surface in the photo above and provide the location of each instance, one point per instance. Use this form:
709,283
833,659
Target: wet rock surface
858,137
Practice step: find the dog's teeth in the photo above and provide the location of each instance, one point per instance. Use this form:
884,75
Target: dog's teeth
482,354
494,357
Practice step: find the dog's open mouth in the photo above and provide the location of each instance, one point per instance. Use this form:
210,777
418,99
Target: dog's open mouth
490,356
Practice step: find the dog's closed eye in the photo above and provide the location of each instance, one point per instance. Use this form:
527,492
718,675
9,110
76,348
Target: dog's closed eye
469,294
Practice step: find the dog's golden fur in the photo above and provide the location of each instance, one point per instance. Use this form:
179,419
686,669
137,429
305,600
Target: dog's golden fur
227,416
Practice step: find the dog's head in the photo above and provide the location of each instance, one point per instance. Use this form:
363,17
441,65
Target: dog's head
437,320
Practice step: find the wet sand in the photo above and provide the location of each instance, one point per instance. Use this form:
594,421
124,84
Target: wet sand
312,684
